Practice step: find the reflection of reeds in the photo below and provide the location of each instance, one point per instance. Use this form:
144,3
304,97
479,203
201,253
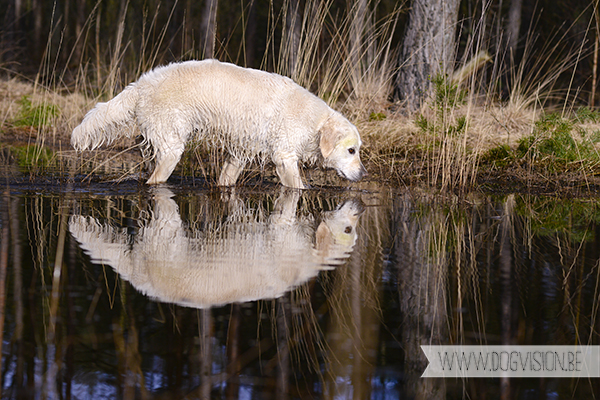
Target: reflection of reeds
515,271
53,339
354,306
478,270
421,251
127,349
4,244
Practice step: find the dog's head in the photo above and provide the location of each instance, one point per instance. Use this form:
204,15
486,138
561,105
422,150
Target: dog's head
340,146
336,234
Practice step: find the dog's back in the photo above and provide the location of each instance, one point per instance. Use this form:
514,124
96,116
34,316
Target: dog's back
222,101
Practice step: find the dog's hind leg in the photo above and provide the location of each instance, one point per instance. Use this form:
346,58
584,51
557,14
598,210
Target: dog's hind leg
230,172
289,173
166,161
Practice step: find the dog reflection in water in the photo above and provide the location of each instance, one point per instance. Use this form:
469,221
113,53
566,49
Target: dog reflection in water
245,258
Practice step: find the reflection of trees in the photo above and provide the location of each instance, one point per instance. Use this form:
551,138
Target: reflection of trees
506,282
485,274
423,270
17,265
4,243
421,252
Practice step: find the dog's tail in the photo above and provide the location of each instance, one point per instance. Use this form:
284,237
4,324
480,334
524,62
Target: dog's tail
105,122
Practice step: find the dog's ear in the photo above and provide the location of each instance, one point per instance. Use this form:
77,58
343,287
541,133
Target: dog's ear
329,138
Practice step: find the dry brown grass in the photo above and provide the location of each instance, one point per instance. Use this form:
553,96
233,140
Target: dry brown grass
398,149
56,132
491,126
395,148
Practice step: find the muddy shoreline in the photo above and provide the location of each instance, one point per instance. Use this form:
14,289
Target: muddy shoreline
513,180
124,163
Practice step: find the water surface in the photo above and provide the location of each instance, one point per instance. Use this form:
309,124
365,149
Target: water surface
125,291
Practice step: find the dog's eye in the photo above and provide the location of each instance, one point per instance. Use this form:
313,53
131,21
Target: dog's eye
348,229
351,150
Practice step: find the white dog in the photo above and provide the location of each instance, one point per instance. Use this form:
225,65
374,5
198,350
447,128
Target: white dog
249,113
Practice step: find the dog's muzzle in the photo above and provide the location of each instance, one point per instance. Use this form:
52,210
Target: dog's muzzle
355,175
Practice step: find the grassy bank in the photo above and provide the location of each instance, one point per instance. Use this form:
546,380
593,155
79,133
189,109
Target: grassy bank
447,145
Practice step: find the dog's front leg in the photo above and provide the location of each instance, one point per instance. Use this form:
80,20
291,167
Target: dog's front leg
289,173
166,161
284,209
230,172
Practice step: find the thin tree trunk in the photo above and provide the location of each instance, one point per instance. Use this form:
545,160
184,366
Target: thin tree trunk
38,43
250,38
208,28
188,32
283,308
11,35
293,30
113,70
594,73
506,293
357,30
206,335
19,315
79,23
595,60
98,71
64,55
513,25
18,14
428,49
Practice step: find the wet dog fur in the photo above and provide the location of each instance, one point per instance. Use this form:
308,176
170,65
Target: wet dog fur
249,113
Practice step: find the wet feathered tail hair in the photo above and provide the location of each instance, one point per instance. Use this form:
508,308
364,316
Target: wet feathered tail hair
105,122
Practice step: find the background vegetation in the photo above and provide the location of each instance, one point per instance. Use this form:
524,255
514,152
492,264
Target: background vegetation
511,63
75,34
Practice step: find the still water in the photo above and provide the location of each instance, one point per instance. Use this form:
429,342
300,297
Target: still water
124,291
